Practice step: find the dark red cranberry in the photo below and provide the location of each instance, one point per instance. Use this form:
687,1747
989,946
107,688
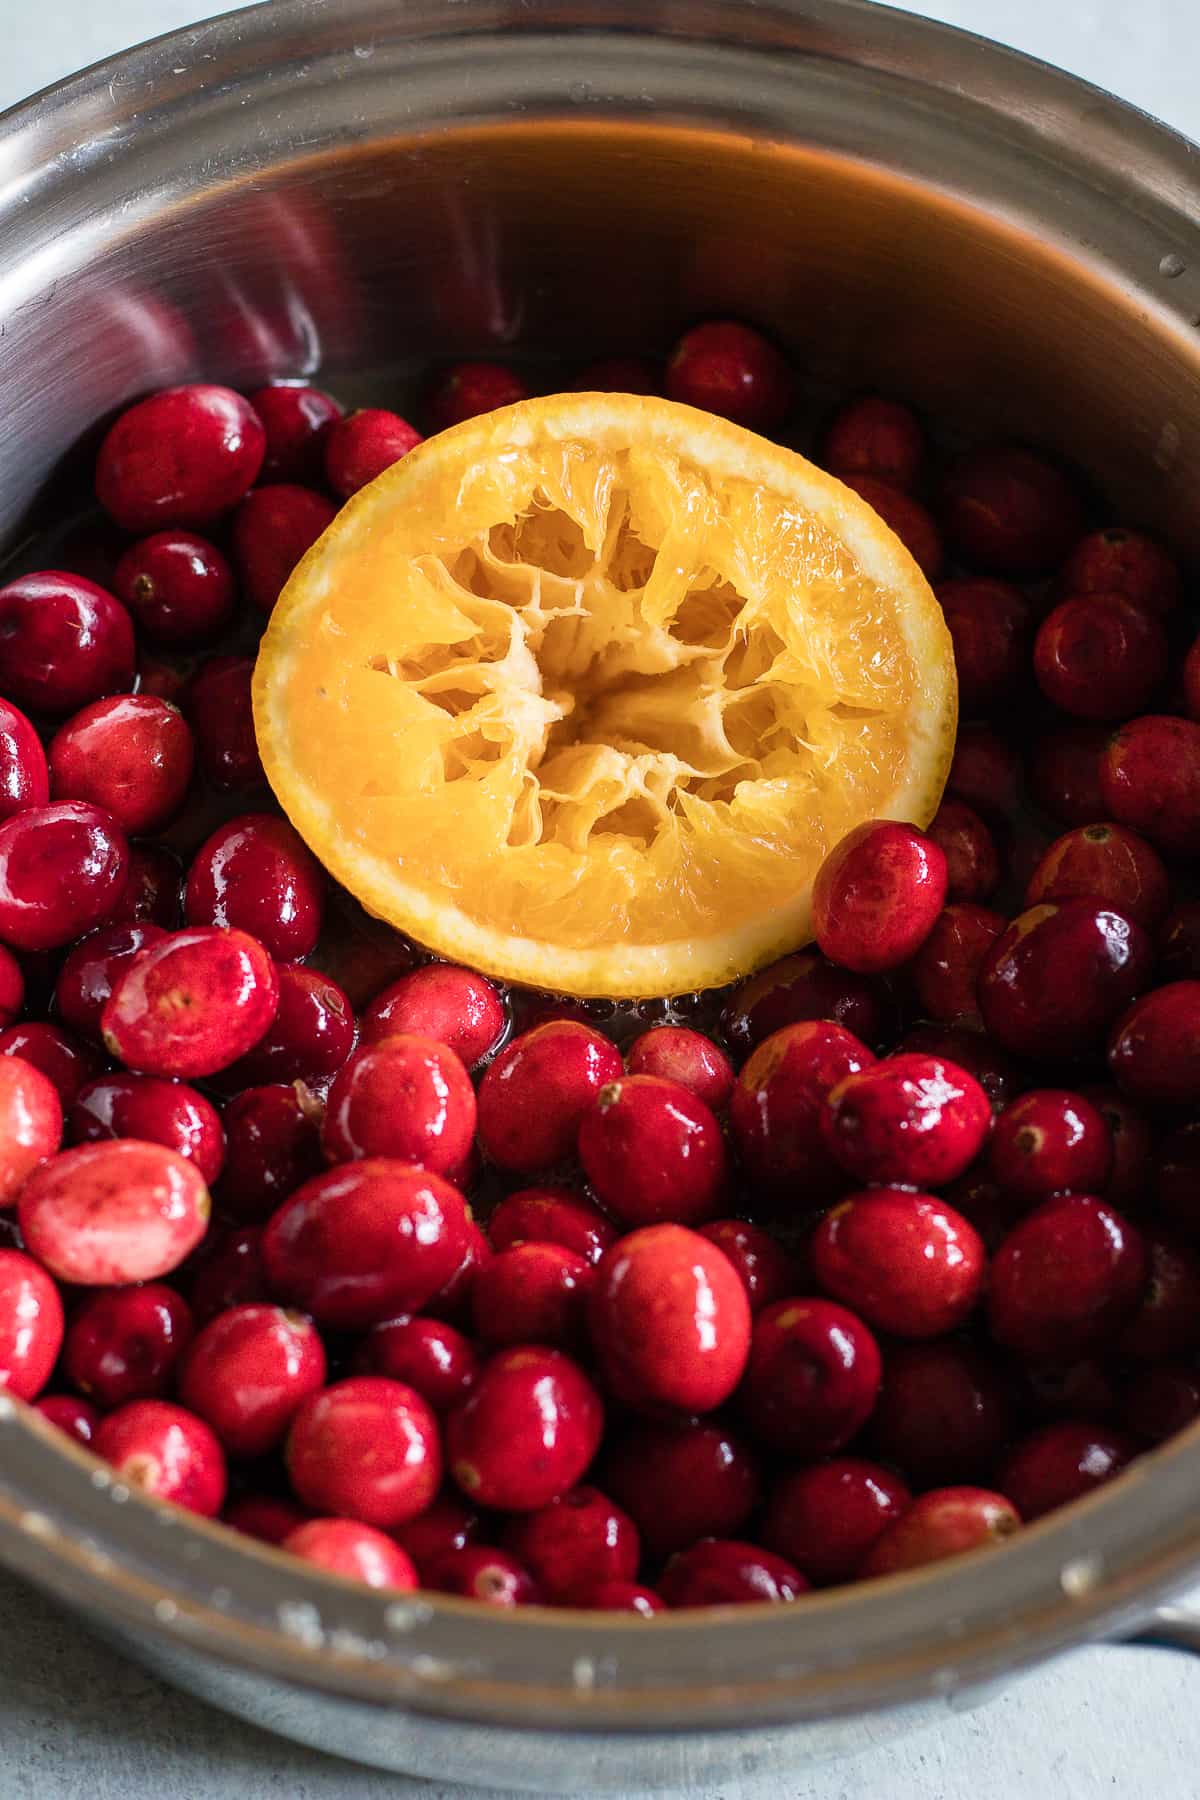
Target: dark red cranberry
1051,1141
131,756
124,1343
875,436
907,1263
63,642
31,1325
811,1379
972,860
183,456
1099,656
768,1272
1191,680
103,1215
157,679
653,1153
62,867
912,523
778,1101
272,529
364,444
532,1293
480,1573
296,419
404,1097
248,1372
76,1417
990,1210
1108,863
457,1007
1179,944
257,873
167,1452
989,622
1059,976
986,773
944,1522
533,1096
447,1525
12,988
670,1321
159,1112
824,1519
801,987
65,1061
1064,777
272,1145
1160,1400
309,1038
945,1412
997,1074
877,895
1177,1180
218,704
452,1302
1150,781
1132,1146
1065,1279
1061,1463
192,1003
1167,1322
426,1354
466,389
726,1572
619,375
151,895
24,776
551,1216
355,1551
1081,1388
688,1058
527,1431
229,1272
85,980
31,1123
1010,512
575,1544
1119,561
733,371
680,1480
365,1448
916,1120
622,1596
1154,1051
945,970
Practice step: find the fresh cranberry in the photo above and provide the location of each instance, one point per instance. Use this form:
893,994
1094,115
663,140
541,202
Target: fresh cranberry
912,523
491,1576
1080,1387
24,776
811,1378
622,1596
551,1216
1120,561
824,1519
167,1452
272,1145
106,1214
248,1372
1064,777
877,895
446,1526
1061,1463
1050,1141
1010,512
426,1354
366,1448
1099,656
1132,1146
467,389
527,1431
123,1343
733,371
990,1210
452,1302
354,1551
986,773
151,895
12,988
31,1325
1179,944
907,1263
65,1062
229,1272
62,867
85,980
989,623
257,873
619,375
219,706
1059,976
31,1123
688,1058
768,1273
944,1522
945,1412
131,756
1160,1400
726,1572
78,1418
532,1293
653,1152
972,860
272,529
680,1480
1154,1052
63,642
875,436
404,1097
778,1100
1065,1278
183,456
576,1543
297,420
455,1006
365,443
801,987
535,1093
945,970
1177,1179
1167,1322
1108,863
158,679
670,1321
365,1241
192,1003
1150,781
916,1120
309,1038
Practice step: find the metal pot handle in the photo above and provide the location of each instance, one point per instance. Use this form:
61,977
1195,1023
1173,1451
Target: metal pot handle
1170,1628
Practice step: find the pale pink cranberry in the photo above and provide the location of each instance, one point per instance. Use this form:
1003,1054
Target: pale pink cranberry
355,1551
942,1523
110,1213
31,1124
693,1061
31,1325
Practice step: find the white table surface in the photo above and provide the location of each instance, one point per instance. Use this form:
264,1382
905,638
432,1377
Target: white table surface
75,1721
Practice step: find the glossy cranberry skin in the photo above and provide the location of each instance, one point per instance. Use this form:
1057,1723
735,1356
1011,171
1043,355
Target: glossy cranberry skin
446,1526
804,986
364,444
1065,1279
1150,781
130,755
466,389
1179,944
811,1378
179,588
1059,976
680,1480
63,1059
452,1302
167,1452
996,1072
1119,561
824,1519
480,1573
12,988
532,1293
945,1412
218,704
228,1272
653,1153
426,1354
76,1417
1064,776
1167,1322
945,970
985,773
916,1120
908,1263
272,529
124,1343
535,1093
944,1522
875,436
365,1448
106,1214
575,1544
1108,863
622,1596
248,1372
552,1216
768,1272
24,777
62,867
1132,1146
1154,1051
455,1006
182,456
151,895
272,1145
1010,512
355,1551
1160,1400
257,873
404,1097
365,1241
527,1431
1050,1141
877,895
912,523
989,623
670,1321
727,1572
1099,656
63,642
734,371
619,375
309,1038
192,1003
778,1100
85,980
297,421
31,1123
972,860
688,1058
31,1325
1061,1463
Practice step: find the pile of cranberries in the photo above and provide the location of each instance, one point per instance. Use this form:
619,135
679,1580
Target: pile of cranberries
433,1283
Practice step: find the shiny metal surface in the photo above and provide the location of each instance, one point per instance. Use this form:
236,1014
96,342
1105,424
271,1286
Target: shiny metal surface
357,183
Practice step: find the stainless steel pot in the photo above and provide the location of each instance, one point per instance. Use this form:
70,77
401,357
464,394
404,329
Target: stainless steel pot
347,184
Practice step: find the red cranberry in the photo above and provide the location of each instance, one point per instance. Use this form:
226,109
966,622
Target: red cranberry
152,888
535,1093
989,622
426,1354
653,1152
945,1412
877,895
248,1373
911,1119
680,1480
257,873
1108,863
1167,1322
272,529
167,1452
12,988
1065,775
912,523
31,1325
688,1058
65,1062
733,371
364,444
455,1006
31,1123
1120,561
532,1293
1081,1388
365,1241
446,1526
1179,944
1051,1141
1061,1463
972,860
85,980
366,1448
24,776
229,1273
1150,781
875,436
619,375
1059,976
158,1112
942,1523
778,1100
1132,1146
1099,656
480,1573
1154,1052
551,1216
183,456
309,1038
157,679
526,1432
726,1572
123,1343
825,1518
62,867
355,1551
575,1544
1177,1175
768,1273
811,1379
670,1321
404,1097
990,1210
467,389
1010,512
985,773
63,642
106,1214
803,987
908,1263
945,970
70,1414
296,419
1065,1278
622,1596
131,756
452,1302
1158,1401
272,1145
192,1003
219,706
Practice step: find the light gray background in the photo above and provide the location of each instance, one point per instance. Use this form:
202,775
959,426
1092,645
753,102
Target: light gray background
75,1721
